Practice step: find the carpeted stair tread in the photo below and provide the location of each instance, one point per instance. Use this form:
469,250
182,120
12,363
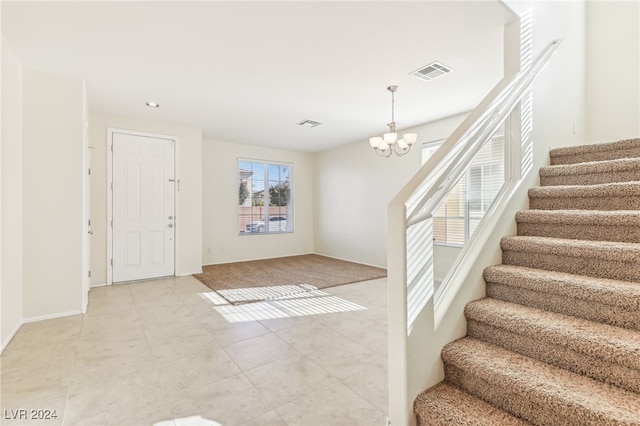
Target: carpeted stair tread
606,196
624,294
555,392
604,259
606,250
445,405
603,352
612,225
590,173
627,148
603,300
615,344
581,217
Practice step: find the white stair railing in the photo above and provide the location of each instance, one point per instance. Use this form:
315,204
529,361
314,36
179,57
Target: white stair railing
411,289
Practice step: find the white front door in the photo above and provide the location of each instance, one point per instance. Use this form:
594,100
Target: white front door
143,207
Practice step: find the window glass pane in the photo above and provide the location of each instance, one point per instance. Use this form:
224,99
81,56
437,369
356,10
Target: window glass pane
264,197
458,216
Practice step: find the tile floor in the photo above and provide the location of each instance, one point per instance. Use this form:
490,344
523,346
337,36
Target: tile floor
171,352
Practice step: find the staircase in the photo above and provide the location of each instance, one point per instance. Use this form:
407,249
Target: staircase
557,339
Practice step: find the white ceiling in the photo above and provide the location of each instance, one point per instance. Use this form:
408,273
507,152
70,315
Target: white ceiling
248,72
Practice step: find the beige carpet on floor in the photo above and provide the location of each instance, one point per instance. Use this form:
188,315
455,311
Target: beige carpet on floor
284,273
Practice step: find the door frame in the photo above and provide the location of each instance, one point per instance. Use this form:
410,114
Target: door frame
176,163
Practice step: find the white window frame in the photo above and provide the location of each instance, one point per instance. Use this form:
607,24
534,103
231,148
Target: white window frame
242,229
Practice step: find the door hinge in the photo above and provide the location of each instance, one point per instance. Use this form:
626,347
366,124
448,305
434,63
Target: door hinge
112,186
111,262
112,223
89,274
89,222
89,171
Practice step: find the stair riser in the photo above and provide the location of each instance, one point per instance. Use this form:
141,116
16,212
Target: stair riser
444,405
591,178
593,267
558,354
530,406
624,234
629,152
587,203
515,401
562,304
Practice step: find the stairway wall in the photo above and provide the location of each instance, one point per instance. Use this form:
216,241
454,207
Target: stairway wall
613,67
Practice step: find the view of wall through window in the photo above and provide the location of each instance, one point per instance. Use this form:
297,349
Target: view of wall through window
458,216
264,197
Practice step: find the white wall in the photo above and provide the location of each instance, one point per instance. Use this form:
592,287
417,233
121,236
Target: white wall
221,241
353,187
189,217
613,70
11,197
52,228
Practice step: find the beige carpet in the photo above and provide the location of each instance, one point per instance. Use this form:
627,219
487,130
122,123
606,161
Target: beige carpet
283,276
557,339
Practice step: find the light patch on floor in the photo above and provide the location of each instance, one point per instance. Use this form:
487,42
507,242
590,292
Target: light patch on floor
190,421
255,294
310,302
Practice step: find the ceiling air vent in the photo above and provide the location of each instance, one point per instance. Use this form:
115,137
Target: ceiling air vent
309,123
432,71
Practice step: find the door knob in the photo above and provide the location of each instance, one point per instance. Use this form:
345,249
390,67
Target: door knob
170,217
91,232
171,225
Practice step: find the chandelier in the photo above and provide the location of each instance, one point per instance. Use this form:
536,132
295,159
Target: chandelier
387,143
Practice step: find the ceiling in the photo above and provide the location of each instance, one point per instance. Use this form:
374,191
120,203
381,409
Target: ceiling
249,72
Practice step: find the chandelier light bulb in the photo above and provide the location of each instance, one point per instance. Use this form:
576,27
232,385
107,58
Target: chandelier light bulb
390,138
402,144
375,141
410,138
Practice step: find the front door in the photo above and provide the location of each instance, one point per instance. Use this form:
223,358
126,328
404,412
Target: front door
143,207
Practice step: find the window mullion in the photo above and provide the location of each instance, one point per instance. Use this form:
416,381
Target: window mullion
266,198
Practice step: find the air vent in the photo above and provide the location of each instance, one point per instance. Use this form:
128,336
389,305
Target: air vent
432,71
309,123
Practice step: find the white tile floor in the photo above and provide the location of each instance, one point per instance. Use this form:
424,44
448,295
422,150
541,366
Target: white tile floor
171,352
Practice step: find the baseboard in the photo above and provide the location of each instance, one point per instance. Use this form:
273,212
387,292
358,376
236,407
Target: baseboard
13,333
289,255
186,274
257,258
351,260
98,285
51,316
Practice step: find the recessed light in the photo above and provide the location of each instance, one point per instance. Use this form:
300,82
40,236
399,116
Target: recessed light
309,123
153,104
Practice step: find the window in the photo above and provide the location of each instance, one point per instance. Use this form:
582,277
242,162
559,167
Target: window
264,197
457,217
